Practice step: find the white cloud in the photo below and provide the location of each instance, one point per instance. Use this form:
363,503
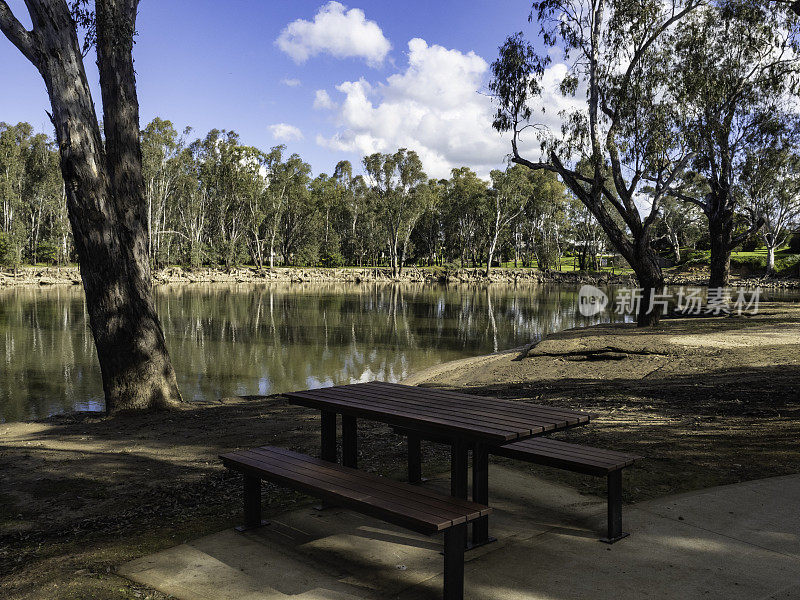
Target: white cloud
433,107
291,82
283,132
322,101
337,31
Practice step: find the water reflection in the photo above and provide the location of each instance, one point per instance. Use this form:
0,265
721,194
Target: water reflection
248,339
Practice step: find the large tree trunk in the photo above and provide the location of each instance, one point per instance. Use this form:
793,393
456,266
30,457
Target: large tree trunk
676,247
105,199
489,256
652,282
720,229
770,259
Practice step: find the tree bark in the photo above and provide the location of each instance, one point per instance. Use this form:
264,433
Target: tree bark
676,247
651,280
105,198
720,230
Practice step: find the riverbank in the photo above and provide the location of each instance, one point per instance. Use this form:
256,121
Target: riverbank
689,394
83,493
46,276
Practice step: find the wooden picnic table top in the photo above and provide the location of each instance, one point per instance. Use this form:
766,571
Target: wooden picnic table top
477,418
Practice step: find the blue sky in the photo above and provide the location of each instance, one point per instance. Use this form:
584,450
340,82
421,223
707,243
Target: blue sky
202,65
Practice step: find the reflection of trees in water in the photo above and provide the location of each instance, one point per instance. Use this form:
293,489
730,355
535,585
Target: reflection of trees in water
47,357
288,337
248,339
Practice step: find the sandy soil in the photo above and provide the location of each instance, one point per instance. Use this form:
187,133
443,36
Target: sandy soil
706,401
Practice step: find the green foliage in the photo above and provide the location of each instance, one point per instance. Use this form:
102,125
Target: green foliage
213,200
749,264
794,243
48,253
307,256
788,266
750,244
332,259
6,252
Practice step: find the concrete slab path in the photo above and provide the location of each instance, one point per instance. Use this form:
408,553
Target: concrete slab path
738,541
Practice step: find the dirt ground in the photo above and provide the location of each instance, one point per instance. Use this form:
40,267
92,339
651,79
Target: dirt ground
705,401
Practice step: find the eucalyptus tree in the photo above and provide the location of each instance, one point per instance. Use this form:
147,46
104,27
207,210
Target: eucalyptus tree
429,235
42,194
463,205
253,184
615,52
326,196
504,202
300,227
428,199
588,238
735,75
15,143
772,194
678,225
288,180
230,171
353,193
394,179
542,223
161,149
105,188
192,203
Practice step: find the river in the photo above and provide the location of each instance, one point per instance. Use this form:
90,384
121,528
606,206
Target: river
262,339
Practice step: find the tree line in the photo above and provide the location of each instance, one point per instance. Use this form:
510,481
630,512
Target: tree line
215,201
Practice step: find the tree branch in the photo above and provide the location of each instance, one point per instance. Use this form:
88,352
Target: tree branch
743,236
689,199
23,39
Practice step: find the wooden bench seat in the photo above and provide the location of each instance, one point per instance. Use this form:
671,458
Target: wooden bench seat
552,453
398,503
562,455
580,459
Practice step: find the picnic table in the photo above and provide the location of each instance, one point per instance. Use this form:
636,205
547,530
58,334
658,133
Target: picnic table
465,421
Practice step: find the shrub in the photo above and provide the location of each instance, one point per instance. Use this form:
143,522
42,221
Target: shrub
696,257
332,259
788,266
751,244
306,257
47,252
794,243
750,264
704,243
5,248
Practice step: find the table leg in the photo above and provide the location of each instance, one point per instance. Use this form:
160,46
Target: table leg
327,444
328,428
459,459
480,493
414,458
349,441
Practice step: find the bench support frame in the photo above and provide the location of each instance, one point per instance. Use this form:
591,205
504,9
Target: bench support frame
455,540
252,504
480,482
414,458
615,532
349,441
327,449
480,494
